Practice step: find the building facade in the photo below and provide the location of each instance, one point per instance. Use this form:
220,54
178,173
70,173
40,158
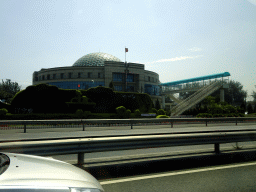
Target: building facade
99,69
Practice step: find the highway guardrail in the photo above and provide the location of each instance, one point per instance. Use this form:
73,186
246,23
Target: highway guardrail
81,146
130,122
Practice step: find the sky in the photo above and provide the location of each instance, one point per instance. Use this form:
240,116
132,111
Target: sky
178,39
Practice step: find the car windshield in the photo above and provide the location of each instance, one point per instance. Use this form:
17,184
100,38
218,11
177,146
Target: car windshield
4,163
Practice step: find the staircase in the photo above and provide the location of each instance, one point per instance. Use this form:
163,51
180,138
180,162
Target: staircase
174,98
195,98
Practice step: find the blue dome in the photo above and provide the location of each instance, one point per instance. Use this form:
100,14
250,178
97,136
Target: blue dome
95,59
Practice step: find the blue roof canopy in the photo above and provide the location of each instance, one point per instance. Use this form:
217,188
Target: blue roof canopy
207,77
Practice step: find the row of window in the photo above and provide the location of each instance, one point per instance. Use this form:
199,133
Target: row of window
77,84
67,76
129,88
152,89
150,79
120,77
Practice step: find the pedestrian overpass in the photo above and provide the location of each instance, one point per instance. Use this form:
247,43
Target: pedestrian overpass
202,86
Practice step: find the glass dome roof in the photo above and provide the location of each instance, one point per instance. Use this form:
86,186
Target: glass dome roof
95,59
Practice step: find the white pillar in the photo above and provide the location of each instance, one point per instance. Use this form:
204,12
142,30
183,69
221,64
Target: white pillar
163,102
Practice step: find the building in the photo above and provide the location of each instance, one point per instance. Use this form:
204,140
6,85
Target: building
97,69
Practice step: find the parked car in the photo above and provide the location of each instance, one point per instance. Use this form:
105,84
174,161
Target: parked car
27,173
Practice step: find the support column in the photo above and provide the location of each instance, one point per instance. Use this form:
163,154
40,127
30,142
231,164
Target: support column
80,158
222,99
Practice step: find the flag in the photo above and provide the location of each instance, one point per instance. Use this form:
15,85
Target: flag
126,49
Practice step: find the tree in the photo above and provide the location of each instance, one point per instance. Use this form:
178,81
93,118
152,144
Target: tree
111,85
254,96
249,108
8,90
234,95
243,107
157,106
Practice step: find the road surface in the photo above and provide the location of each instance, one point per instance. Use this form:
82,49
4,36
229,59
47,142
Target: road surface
233,177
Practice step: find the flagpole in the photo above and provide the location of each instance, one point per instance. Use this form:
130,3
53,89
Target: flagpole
125,69
125,54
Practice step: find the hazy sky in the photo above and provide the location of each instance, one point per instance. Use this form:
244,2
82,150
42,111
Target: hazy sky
178,39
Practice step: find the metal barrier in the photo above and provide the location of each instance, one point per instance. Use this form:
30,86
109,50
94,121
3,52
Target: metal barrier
101,144
6,124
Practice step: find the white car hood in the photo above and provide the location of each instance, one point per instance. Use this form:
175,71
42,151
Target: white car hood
35,170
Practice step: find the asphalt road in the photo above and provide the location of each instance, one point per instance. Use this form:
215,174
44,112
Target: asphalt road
233,177
74,128
10,133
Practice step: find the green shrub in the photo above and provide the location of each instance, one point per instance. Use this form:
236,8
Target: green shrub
162,116
121,111
86,114
200,115
74,100
79,112
154,110
204,115
216,109
85,99
137,113
230,115
241,114
128,113
3,111
168,113
78,95
161,112
209,115
218,115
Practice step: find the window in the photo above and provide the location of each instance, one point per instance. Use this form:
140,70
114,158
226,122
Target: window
130,78
152,89
43,77
69,75
79,75
54,76
98,75
118,88
62,75
48,77
89,74
130,88
117,77
148,78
